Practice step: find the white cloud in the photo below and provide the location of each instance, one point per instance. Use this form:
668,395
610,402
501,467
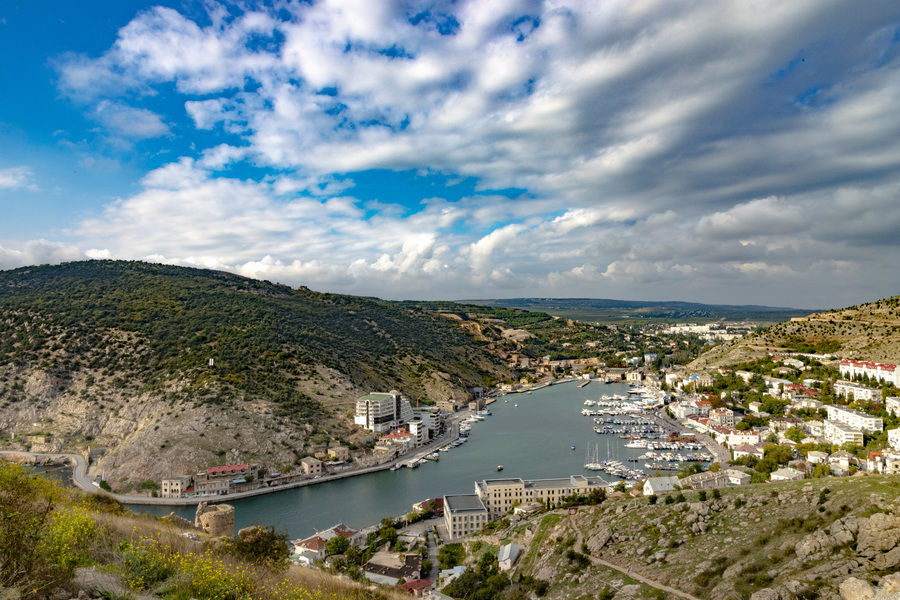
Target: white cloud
38,252
664,147
16,178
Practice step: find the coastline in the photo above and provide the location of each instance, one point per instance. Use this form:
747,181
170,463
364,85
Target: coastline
82,481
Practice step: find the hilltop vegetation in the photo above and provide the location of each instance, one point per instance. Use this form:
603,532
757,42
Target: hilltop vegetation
788,541
153,361
868,331
64,543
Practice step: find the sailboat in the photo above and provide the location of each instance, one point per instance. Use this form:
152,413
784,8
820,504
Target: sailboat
593,462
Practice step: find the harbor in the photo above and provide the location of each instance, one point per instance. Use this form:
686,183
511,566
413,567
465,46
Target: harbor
540,435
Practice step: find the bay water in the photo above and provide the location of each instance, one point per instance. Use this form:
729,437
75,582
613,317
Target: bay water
530,435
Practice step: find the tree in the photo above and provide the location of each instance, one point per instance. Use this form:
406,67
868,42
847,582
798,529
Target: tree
388,535
336,545
795,434
261,546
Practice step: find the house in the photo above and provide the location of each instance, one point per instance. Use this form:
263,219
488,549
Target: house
706,480
507,556
817,458
892,405
418,588
339,453
388,568
175,487
757,450
436,505
448,575
661,485
786,474
310,550
736,477
311,466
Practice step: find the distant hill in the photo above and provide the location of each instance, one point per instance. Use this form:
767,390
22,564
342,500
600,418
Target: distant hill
596,309
154,361
868,331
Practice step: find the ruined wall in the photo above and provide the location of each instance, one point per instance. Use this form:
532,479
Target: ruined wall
217,519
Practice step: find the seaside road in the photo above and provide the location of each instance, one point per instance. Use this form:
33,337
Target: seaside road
632,574
83,481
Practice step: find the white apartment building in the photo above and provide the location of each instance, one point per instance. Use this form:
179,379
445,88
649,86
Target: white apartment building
875,371
854,418
380,412
499,495
464,514
894,438
892,405
837,432
856,391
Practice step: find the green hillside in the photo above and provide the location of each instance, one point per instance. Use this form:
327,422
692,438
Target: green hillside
204,366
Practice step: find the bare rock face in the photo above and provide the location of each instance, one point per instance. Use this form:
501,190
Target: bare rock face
856,589
878,538
599,539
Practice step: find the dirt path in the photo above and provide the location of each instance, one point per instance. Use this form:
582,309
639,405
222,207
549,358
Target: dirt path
599,561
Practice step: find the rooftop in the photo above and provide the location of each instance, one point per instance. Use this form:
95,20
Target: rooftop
464,502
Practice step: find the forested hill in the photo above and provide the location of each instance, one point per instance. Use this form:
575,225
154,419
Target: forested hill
152,322
106,332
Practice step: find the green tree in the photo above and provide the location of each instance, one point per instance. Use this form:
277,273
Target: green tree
336,545
260,545
388,535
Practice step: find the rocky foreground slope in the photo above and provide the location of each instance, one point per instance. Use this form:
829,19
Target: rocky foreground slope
796,540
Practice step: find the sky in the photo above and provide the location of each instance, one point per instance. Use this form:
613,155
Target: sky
729,152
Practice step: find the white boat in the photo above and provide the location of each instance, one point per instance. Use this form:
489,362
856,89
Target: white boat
592,460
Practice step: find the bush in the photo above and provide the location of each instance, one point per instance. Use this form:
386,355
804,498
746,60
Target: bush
260,546
26,502
652,498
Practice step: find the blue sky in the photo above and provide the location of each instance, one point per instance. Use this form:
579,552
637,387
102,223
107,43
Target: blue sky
722,152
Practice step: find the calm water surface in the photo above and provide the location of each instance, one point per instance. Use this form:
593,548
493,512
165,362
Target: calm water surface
531,435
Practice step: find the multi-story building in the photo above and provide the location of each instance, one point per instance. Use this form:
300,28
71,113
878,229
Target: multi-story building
723,417
855,418
464,514
894,438
223,479
856,391
875,371
838,432
500,495
381,412
311,465
175,487
892,405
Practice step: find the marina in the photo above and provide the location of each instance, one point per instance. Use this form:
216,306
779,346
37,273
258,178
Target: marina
529,435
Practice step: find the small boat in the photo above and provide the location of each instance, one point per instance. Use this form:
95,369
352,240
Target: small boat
499,467
573,446
516,405
396,467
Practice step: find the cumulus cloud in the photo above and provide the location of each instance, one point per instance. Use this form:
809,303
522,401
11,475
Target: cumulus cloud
15,178
38,252
661,146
